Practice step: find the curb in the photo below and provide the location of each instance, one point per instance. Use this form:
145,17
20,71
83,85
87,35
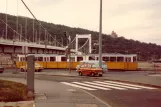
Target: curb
18,104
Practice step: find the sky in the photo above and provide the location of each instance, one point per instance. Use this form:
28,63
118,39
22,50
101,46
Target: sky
132,19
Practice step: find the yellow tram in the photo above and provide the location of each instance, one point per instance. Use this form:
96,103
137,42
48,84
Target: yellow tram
113,61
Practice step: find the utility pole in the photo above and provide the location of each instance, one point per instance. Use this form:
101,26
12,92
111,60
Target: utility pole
100,36
17,22
45,41
26,30
20,36
35,35
6,19
39,32
33,29
68,52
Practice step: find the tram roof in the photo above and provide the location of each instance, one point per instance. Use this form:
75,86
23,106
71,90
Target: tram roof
104,54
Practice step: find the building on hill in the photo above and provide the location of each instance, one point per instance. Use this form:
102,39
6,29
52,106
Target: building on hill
113,34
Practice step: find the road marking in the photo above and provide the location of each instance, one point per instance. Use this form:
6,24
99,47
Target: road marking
139,86
117,85
88,85
107,86
78,86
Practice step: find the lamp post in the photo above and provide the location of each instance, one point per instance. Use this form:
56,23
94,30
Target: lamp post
100,36
62,41
20,36
6,19
45,41
26,30
39,32
3,33
35,36
13,41
55,39
33,29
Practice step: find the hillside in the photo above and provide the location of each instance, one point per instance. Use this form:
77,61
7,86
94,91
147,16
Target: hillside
110,45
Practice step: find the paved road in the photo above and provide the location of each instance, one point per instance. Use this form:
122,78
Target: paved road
117,94
114,93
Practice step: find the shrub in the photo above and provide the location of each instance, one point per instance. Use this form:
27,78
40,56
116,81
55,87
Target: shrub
12,91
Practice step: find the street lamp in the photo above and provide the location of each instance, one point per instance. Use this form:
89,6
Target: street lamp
62,41
26,30
3,33
55,39
6,19
100,36
39,32
14,32
20,36
33,29
35,36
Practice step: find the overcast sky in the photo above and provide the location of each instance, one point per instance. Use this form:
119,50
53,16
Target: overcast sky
132,19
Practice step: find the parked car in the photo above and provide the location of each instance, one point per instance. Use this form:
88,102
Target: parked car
104,66
38,68
1,69
90,68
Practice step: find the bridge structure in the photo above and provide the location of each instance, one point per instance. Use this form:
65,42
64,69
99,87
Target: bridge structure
15,40
8,46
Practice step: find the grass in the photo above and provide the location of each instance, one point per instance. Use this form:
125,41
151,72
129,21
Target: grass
12,91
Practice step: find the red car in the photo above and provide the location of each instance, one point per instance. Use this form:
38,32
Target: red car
90,69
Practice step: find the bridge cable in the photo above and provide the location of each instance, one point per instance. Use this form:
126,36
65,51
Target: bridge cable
13,29
84,44
38,21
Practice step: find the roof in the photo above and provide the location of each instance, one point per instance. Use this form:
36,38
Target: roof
91,61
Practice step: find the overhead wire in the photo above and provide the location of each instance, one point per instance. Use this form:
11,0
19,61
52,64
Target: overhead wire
13,29
38,21
84,44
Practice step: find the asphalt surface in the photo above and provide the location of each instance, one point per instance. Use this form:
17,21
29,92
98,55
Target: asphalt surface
129,97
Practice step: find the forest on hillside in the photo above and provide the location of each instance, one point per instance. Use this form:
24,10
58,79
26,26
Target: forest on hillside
145,51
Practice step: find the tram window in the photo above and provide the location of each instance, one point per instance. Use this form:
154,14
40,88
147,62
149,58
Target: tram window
63,59
120,59
91,58
105,58
96,58
36,58
73,59
40,58
22,59
134,59
113,59
52,58
128,59
45,59
79,58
